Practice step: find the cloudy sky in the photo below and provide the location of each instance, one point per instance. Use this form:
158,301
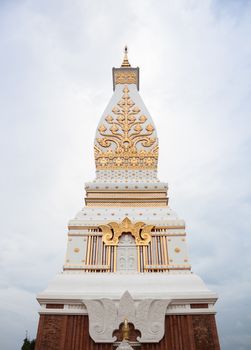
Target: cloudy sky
55,68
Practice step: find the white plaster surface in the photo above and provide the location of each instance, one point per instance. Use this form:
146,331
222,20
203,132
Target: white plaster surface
153,216
124,346
139,285
76,249
177,250
128,175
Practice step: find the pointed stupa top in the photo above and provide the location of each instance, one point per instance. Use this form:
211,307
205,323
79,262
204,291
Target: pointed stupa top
125,74
125,63
126,137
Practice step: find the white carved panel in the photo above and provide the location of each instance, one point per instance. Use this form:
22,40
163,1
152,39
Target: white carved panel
76,250
126,308
150,320
127,254
177,251
102,319
148,317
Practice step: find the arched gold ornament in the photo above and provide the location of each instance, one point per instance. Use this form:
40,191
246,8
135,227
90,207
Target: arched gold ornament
139,230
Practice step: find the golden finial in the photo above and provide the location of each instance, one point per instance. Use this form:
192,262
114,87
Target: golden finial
125,62
125,330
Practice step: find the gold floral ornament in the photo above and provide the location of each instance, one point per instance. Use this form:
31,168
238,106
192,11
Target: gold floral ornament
128,137
139,230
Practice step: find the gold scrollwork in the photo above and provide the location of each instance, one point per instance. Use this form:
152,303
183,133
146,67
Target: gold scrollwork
128,138
139,230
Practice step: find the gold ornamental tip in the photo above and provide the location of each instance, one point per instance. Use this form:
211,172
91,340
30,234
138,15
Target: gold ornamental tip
125,63
125,330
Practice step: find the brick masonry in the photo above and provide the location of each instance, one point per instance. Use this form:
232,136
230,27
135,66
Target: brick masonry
182,332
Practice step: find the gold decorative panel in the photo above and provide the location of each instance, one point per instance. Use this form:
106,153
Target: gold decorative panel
113,231
125,77
127,138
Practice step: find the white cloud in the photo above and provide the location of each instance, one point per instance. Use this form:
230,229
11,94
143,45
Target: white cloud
55,71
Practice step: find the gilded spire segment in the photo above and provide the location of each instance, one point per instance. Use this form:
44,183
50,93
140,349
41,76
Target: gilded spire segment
125,74
125,63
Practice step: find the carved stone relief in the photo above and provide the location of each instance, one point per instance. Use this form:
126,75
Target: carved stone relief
127,254
148,317
102,319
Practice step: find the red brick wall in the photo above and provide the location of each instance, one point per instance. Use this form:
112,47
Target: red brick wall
182,332
188,332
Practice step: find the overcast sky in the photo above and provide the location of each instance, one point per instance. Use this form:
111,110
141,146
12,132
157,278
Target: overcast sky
55,81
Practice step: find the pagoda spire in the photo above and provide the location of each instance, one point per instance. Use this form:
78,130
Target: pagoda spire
126,268
125,63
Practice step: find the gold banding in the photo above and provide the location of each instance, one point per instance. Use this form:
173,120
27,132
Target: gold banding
126,194
126,198
165,250
128,204
154,233
115,259
138,254
139,230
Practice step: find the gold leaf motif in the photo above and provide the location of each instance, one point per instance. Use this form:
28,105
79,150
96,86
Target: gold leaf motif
115,110
138,127
142,118
109,119
129,143
114,128
136,109
102,128
149,128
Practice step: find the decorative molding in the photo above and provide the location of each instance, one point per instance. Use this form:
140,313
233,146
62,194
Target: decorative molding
148,317
132,204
